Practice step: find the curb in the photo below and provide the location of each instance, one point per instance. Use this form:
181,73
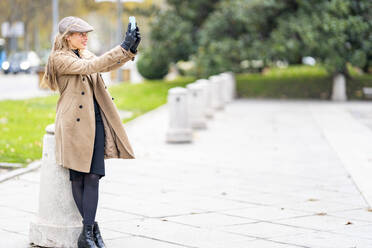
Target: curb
31,167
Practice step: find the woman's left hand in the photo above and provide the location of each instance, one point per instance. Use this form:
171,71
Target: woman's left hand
133,49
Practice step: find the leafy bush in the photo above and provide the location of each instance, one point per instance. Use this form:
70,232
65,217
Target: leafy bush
153,64
356,84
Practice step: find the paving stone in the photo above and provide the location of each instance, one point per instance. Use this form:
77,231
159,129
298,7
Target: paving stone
105,214
320,206
264,229
18,225
360,231
269,244
267,213
209,220
326,240
361,214
140,242
111,234
13,240
322,222
176,233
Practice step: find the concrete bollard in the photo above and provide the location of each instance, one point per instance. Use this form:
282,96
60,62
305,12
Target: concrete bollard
232,81
196,106
227,91
58,223
179,130
217,99
339,88
207,92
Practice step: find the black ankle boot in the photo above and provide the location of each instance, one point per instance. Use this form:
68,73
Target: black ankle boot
97,236
86,239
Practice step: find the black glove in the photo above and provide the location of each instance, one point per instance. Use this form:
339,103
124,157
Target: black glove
133,49
130,38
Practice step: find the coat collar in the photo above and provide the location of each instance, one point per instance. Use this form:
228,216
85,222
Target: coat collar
84,54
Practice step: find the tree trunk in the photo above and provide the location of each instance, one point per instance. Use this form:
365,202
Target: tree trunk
339,87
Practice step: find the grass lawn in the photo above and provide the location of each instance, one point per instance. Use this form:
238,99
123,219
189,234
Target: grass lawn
23,122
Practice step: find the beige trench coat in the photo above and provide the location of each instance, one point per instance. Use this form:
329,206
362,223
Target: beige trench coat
77,80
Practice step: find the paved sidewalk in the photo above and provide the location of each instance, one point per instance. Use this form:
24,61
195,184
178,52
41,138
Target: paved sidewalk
264,174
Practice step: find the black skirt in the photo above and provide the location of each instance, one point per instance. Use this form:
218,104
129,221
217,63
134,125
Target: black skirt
98,163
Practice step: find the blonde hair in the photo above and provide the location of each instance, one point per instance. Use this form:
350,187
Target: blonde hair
60,44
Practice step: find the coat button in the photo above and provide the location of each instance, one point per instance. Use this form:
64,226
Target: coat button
78,119
81,106
82,92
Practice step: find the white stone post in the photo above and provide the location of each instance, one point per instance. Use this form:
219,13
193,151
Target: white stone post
217,100
339,88
233,85
207,92
224,82
196,106
58,223
179,130
228,92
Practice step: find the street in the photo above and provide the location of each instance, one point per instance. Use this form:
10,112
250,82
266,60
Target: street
20,86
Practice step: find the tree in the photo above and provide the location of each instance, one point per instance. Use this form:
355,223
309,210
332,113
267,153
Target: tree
242,30
336,32
172,35
175,29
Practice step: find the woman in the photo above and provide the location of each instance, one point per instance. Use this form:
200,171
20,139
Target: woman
88,128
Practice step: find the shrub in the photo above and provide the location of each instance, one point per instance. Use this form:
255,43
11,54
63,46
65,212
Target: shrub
153,64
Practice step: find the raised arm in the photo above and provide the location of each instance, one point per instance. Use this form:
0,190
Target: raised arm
66,64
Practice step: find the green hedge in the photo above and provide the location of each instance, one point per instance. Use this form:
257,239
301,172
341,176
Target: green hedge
153,64
297,82
355,86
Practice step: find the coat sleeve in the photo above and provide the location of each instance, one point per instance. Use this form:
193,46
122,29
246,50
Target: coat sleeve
65,64
116,65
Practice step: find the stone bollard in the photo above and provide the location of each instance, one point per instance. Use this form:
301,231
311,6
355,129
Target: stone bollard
207,92
227,87
58,223
196,106
232,85
339,88
217,99
179,130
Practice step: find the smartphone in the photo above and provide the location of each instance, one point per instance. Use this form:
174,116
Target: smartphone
132,21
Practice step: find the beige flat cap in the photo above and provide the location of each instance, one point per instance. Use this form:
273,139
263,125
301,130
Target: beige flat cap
74,24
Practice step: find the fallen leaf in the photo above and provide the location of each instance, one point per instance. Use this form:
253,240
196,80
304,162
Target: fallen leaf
313,199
